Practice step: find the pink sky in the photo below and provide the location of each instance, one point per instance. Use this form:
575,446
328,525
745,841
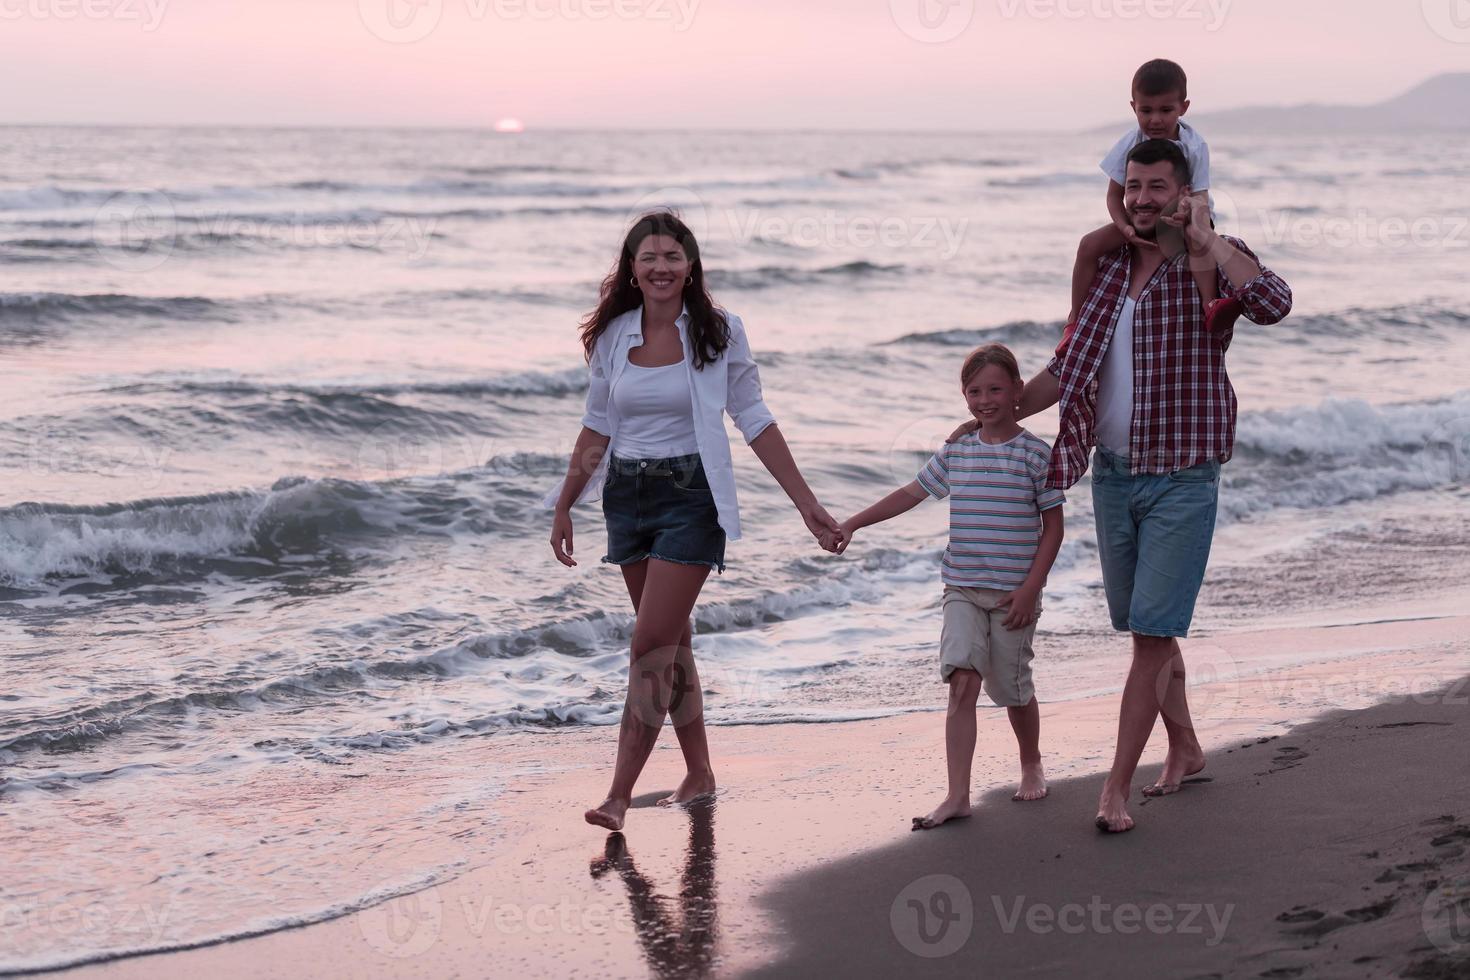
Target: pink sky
1015,64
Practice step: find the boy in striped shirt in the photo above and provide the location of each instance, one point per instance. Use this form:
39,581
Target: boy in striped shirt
1005,528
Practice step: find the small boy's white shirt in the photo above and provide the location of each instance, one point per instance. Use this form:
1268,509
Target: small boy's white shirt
1196,151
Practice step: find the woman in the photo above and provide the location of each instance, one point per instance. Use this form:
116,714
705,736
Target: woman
665,364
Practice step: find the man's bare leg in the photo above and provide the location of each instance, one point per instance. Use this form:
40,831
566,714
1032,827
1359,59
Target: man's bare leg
959,749
1026,723
1140,708
1185,757
655,686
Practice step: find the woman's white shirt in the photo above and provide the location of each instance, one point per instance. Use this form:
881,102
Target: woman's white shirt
728,385
657,412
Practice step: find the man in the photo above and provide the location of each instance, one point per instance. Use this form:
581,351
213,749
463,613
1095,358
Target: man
1142,380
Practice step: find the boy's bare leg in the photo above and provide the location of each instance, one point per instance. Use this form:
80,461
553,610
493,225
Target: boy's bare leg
959,749
1094,245
1185,757
1026,723
1206,278
1152,656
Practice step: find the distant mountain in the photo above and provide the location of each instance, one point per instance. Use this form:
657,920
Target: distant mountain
1441,102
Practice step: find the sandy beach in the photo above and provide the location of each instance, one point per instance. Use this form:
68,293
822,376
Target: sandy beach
1332,845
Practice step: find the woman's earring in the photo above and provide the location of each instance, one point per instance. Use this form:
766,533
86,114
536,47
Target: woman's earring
635,282
688,280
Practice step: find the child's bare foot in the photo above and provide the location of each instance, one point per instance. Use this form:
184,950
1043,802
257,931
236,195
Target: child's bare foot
695,785
948,810
1178,766
609,813
1112,812
1033,784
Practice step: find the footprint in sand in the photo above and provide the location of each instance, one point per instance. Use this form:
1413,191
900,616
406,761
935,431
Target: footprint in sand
1286,757
1371,913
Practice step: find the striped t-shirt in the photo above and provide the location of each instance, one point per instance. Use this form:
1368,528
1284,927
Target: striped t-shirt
996,496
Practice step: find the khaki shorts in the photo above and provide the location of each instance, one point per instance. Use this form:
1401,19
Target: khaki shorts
974,639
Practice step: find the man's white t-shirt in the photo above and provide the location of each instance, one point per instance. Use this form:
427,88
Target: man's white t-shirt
1115,386
1196,151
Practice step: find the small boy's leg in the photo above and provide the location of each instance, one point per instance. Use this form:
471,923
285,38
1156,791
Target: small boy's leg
959,749
1094,245
1026,723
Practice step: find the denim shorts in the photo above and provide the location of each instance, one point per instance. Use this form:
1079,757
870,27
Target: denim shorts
1153,539
664,509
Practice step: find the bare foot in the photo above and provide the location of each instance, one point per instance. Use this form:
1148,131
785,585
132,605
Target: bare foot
1178,766
1033,784
948,810
609,813
1112,812
692,788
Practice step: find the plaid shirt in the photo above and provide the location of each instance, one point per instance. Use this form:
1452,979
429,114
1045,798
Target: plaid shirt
1183,404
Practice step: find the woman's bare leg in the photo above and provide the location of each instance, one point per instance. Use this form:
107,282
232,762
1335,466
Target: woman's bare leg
658,682
689,725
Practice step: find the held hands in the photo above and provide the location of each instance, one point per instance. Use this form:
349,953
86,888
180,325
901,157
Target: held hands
823,527
1021,605
838,540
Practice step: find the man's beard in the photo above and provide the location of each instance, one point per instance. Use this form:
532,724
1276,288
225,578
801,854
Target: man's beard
1146,233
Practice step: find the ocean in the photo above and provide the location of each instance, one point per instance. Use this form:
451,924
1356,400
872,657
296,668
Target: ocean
279,406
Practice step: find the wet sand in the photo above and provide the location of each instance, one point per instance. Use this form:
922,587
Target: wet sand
1315,848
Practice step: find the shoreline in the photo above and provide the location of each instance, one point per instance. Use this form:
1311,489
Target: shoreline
556,896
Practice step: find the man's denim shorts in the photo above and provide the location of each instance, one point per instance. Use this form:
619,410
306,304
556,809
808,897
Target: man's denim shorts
1153,539
661,508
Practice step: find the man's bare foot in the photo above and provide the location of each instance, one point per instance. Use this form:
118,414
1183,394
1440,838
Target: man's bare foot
1033,784
609,813
1112,812
692,788
1178,766
946,811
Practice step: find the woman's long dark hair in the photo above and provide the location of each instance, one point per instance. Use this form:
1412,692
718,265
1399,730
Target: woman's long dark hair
709,329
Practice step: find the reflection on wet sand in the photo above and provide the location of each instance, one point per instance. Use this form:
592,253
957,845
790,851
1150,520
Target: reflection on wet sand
678,942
